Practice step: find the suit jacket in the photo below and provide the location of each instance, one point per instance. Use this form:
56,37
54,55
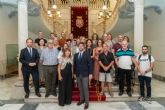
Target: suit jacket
25,58
83,66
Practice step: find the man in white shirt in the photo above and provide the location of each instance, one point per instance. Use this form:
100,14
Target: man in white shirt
124,59
145,67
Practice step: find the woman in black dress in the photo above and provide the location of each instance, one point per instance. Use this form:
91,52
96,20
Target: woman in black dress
89,49
65,78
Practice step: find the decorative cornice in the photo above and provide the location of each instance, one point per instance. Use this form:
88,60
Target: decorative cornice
33,9
128,11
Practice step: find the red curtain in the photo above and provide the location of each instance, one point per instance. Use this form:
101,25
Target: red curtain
79,21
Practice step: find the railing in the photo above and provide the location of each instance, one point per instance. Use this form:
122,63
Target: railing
94,4
97,4
63,26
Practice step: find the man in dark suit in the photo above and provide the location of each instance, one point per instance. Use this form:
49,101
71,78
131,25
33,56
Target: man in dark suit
83,71
29,58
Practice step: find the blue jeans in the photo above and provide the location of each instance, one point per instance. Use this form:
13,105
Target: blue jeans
145,80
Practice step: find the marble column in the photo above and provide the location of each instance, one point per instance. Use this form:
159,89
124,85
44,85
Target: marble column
138,25
22,27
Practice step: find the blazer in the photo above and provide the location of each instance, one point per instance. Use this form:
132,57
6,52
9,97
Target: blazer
83,66
25,58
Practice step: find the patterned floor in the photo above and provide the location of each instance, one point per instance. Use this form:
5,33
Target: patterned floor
93,106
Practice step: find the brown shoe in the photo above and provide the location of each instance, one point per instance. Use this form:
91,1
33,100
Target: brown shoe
38,94
26,95
86,106
80,102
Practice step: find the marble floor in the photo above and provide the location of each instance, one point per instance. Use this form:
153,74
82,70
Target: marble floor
93,106
6,87
7,103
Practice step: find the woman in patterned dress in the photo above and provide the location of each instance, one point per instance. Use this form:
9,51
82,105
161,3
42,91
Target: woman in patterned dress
96,52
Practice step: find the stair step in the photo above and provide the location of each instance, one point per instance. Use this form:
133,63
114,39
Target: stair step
42,89
51,99
124,97
35,99
114,88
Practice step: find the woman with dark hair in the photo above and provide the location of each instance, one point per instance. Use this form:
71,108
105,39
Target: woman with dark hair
95,38
89,49
65,78
96,53
40,67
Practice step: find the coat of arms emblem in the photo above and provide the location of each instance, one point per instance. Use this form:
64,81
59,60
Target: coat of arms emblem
79,22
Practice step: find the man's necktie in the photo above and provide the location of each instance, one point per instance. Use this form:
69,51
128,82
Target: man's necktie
30,50
80,56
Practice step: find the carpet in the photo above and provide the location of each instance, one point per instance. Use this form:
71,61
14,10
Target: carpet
93,94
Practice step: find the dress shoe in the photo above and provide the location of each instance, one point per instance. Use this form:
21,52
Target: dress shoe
47,95
129,94
68,103
62,105
27,95
86,106
38,94
80,102
120,93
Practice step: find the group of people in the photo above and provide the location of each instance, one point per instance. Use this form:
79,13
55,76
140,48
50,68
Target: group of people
86,60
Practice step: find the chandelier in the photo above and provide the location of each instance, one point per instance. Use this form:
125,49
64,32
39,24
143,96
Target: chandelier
53,13
104,14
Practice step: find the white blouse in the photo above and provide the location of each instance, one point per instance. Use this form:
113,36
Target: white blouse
63,61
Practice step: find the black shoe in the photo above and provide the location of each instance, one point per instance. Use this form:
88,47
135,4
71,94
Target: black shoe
38,94
129,94
54,94
27,95
86,106
62,105
68,103
80,102
120,93
47,95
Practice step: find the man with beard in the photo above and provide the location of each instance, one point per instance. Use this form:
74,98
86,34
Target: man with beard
145,68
